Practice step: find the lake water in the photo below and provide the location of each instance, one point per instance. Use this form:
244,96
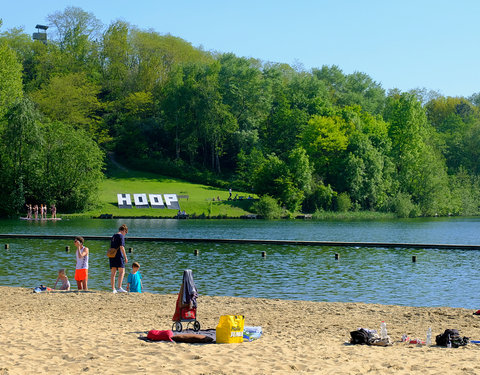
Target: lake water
371,275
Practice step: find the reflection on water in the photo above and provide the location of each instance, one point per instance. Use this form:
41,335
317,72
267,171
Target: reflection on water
372,275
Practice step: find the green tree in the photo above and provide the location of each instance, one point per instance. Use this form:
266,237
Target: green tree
465,193
10,78
72,98
352,89
421,169
295,97
243,91
195,113
367,169
320,198
457,122
20,141
155,57
325,140
71,168
273,177
77,32
301,170
247,164
116,57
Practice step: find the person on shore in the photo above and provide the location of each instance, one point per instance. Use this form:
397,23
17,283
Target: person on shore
62,276
134,282
118,263
54,211
230,194
29,211
35,211
81,268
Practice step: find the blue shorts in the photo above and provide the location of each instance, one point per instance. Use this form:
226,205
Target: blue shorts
117,262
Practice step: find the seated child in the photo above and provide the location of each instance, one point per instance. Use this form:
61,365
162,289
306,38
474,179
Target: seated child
62,276
135,279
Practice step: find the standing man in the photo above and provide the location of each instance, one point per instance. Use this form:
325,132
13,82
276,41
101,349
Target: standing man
230,192
120,259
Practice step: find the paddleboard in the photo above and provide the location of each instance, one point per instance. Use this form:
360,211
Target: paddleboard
38,219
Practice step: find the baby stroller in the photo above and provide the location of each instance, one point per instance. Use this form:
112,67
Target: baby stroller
186,306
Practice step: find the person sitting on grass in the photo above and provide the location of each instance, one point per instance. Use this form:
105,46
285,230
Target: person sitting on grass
134,282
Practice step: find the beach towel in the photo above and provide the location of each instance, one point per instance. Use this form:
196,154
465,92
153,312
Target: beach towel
192,338
157,335
41,288
190,294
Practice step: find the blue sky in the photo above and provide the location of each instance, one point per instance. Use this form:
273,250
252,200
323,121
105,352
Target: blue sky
432,44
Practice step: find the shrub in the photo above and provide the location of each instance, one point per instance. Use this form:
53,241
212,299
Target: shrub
268,207
343,202
321,198
403,206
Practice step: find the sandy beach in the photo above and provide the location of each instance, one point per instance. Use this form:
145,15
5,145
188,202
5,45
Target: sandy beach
103,333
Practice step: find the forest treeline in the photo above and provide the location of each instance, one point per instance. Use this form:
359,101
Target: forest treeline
313,140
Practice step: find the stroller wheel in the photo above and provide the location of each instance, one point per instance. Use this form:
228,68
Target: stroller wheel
196,326
178,326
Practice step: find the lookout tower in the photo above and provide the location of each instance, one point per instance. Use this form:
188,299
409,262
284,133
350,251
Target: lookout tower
41,33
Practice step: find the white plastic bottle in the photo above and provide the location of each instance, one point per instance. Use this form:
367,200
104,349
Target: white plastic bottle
429,336
383,330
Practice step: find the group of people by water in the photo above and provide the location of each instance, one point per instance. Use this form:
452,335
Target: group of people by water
40,212
117,264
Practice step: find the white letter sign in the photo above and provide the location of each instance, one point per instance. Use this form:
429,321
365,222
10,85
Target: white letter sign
156,200
124,201
140,200
171,201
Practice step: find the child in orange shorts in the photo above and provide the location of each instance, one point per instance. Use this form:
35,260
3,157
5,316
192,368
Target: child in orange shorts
81,268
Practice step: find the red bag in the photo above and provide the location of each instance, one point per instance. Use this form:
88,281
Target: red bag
188,314
156,335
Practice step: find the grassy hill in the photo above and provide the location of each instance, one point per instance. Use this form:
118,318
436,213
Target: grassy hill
200,202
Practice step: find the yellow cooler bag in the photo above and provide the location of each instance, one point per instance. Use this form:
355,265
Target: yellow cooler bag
230,329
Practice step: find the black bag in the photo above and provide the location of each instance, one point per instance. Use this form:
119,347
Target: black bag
360,336
452,336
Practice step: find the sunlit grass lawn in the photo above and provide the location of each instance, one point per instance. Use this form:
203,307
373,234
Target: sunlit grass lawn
200,201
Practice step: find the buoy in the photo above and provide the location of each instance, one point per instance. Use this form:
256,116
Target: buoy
195,252
130,249
414,258
337,256
264,254
67,248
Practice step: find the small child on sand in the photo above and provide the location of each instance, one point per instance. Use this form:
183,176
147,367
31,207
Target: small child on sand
134,279
62,276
